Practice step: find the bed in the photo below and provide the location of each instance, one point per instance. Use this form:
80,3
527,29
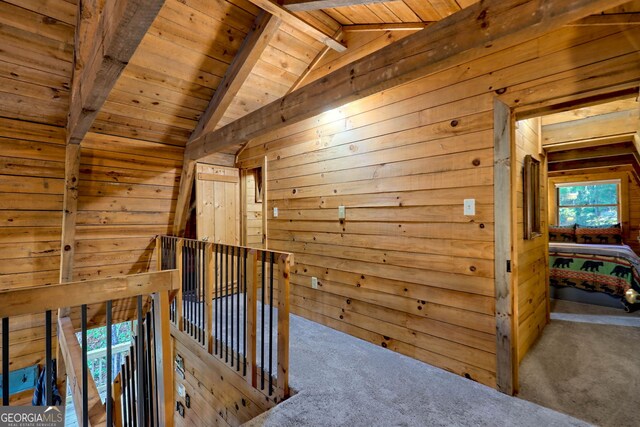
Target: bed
597,268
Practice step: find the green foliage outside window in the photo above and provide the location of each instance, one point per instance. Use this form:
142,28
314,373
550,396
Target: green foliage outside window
590,204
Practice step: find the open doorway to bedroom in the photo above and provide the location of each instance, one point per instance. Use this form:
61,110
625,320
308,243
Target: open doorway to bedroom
577,323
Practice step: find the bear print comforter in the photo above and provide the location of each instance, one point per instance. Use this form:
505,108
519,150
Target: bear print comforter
612,269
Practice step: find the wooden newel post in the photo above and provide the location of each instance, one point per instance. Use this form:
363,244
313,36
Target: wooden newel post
284,264
208,295
179,266
164,357
252,316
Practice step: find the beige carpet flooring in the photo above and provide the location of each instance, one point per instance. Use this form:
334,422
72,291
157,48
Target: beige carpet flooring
586,364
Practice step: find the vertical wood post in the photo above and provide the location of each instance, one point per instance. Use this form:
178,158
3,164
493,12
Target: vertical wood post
67,244
503,141
252,316
265,211
208,296
180,267
164,358
284,267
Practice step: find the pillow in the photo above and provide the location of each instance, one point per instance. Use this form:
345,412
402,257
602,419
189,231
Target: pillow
562,233
600,234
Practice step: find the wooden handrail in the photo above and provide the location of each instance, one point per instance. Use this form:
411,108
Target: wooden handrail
38,299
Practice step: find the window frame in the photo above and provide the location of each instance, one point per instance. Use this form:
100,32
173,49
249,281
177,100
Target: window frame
618,205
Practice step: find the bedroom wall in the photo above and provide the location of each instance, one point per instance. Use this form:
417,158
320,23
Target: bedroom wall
406,269
532,259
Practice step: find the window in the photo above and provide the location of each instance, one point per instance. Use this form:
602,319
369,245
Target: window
531,178
589,203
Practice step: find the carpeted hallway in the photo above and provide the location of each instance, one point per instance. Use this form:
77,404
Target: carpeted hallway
586,364
344,381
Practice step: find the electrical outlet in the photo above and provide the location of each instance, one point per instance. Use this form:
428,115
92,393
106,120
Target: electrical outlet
469,206
314,283
342,212
275,212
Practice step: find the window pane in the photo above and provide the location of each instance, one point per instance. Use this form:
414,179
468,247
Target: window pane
592,215
594,194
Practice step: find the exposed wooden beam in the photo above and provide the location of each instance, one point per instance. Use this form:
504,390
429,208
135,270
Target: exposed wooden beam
294,21
402,26
120,28
608,19
306,5
592,152
604,125
312,65
38,299
476,31
265,27
592,142
625,159
69,211
72,353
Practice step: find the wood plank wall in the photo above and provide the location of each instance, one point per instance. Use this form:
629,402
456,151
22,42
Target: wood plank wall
31,187
215,400
531,256
406,270
35,68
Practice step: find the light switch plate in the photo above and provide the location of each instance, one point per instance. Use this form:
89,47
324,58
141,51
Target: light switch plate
342,212
314,283
275,212
469,206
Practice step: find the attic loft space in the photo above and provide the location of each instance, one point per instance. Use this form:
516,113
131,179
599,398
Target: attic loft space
308,211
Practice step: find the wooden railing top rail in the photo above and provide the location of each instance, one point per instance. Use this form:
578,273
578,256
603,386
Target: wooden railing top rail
277,254
38,299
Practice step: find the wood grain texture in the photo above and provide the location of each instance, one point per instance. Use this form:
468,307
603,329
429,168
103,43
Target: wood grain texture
442,45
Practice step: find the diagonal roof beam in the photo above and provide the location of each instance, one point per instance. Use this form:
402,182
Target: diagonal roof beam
476,31
117,33
305,5
294,21
265,28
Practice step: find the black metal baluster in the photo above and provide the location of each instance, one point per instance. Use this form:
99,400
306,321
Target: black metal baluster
238,289
108,401
186,295
271,325
5,361
230,344
140,365
48,365
126,415
85,377
263,282
226,298
205,275
201,303
149,368
215,298
132,382
244,317
155,361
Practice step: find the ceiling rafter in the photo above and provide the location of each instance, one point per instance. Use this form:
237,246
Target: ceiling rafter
442,45
291,19
632,18
105,49
306,5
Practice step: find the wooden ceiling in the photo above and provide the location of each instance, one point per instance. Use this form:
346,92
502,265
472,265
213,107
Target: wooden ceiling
181,61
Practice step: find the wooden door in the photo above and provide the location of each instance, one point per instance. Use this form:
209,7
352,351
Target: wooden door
218,204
